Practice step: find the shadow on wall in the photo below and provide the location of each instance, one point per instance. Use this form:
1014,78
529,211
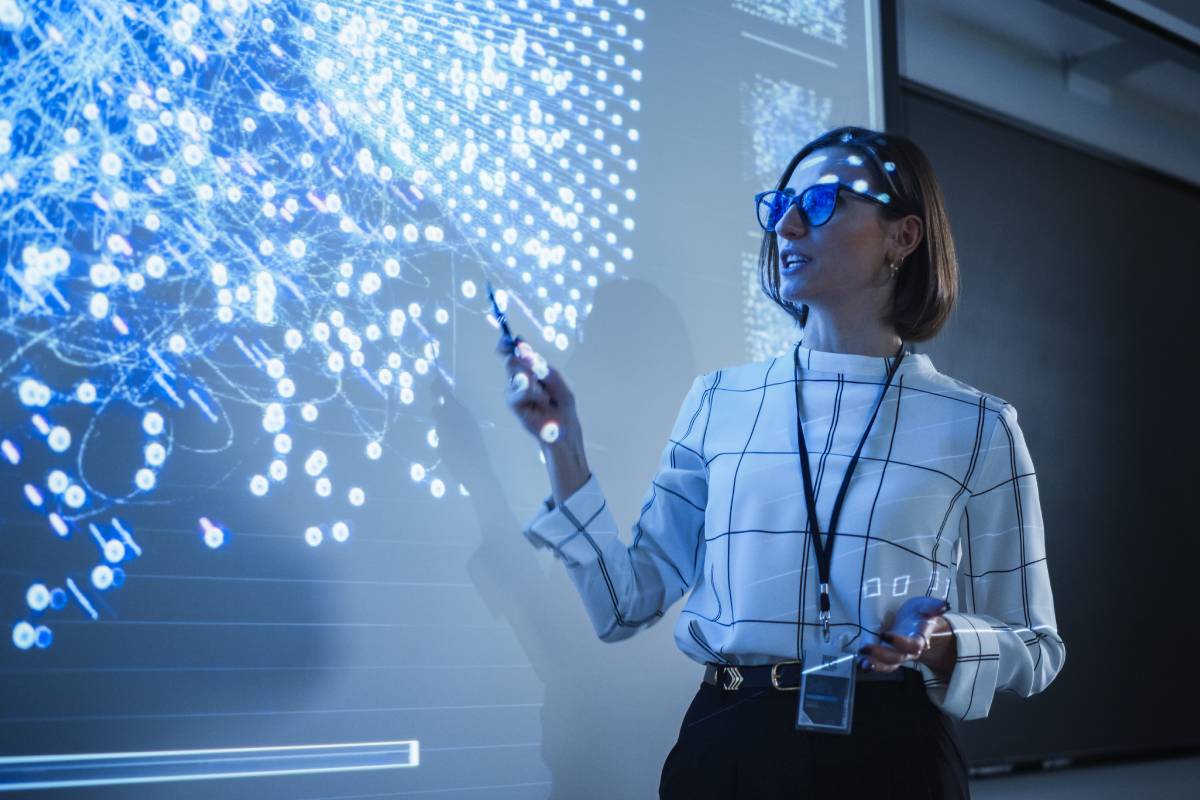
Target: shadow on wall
629,375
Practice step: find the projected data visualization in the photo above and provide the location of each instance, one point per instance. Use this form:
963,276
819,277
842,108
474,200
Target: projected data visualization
772,111
239,238
821,19
810,66
260,492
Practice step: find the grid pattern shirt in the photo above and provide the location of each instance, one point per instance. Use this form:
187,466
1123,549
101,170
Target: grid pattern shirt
943,503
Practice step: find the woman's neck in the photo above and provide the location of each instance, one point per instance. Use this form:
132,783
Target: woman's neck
845,334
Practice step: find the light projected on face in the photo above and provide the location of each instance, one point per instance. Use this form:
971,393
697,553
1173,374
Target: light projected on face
234,230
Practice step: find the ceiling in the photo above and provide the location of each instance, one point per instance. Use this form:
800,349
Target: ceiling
1178,16
1082,68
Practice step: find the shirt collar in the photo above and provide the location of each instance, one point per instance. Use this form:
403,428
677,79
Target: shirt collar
861,365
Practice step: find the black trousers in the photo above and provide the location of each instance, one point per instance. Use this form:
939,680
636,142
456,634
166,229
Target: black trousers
744,744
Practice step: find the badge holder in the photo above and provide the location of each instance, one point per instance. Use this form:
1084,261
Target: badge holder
826,702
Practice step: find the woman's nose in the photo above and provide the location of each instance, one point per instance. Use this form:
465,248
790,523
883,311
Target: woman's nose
791,224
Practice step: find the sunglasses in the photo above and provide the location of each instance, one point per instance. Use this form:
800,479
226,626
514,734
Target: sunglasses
816,203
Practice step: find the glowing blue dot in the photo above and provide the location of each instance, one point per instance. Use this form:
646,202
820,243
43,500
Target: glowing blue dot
214,537
323,487
58,599
356,496
417,472
147,134
57,481
340,531
23,635
74,496
114,550
85,392
110,164
313,535
273,418
152,423
258,485
102,577
437,488
38,596
33,393
59,439
278,470
316,463
145,479
155,454
374,450
44,637
98,306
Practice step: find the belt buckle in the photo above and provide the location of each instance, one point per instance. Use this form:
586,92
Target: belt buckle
775,677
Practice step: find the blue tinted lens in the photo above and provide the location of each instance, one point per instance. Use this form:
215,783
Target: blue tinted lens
772,206
818,202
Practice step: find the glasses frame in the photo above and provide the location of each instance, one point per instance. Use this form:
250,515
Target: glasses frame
864,144
797,201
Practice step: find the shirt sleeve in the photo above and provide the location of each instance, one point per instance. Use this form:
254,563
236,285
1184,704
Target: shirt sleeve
1004,627
625,588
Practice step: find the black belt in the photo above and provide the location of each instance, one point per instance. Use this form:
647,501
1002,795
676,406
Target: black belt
785,676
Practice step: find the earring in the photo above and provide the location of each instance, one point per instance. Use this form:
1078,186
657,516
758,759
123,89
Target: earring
894,267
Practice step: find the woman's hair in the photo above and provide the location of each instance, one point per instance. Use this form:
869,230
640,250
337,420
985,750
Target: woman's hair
926,284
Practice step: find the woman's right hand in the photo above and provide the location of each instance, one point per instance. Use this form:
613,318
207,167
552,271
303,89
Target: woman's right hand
545,408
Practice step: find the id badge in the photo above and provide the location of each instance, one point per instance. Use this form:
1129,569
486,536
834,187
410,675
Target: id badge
826,702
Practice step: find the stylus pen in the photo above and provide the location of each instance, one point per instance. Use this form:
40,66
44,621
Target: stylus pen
502,318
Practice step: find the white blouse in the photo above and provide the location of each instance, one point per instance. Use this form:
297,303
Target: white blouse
943,503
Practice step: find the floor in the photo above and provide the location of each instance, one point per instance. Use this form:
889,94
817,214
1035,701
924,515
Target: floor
1155,780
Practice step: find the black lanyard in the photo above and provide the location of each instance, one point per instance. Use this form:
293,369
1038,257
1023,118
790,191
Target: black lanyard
825,549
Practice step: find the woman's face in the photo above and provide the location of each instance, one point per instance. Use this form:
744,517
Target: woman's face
848,254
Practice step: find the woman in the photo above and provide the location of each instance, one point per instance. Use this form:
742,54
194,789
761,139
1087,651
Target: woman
910,537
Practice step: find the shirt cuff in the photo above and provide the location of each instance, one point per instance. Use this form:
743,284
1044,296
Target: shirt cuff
566,527
971,686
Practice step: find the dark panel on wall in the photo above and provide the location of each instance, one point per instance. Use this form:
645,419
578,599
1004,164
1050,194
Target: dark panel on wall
1079,286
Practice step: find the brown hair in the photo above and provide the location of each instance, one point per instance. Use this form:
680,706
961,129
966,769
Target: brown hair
926,284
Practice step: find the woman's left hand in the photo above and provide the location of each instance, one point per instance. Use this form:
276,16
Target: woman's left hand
918,633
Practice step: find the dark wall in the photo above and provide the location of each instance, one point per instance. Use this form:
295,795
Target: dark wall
1079,278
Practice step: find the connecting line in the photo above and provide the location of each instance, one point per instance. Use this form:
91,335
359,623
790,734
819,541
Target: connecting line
166,387
247,351
208,412
22,773
83,601
158,360
116,523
